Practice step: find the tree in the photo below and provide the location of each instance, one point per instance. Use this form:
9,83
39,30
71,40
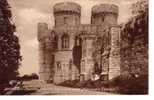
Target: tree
138,24
9,45
140,7
135,33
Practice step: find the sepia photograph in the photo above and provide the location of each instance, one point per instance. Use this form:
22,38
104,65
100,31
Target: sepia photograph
74,47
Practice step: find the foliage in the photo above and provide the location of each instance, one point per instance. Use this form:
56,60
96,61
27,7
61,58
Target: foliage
140,7
34,76
129,84
134,43
9,45
69,83
30,77
138,24
124,84
135,33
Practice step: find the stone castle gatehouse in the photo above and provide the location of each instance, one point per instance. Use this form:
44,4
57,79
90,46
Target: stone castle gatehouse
72,50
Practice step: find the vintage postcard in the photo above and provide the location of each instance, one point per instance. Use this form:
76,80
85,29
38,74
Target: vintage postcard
74,47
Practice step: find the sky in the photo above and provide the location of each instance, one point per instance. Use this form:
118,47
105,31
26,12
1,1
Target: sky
27,13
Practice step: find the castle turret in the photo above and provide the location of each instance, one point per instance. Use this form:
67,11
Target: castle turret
42,30
67,13
66,53
104,14
46,56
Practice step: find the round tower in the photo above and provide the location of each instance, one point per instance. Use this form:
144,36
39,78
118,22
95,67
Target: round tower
67,13
104,14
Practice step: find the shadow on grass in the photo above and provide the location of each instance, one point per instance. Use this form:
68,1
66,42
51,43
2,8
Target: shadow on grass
119,85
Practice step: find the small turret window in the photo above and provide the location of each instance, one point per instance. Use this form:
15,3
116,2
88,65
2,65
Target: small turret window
65,41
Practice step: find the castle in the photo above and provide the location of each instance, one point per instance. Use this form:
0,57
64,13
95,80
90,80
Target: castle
72,50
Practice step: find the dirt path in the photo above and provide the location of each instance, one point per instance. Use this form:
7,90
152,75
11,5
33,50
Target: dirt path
50,89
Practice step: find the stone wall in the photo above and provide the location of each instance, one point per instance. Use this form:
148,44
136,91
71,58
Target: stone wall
66,18
134,55
64,67
87,58
67,22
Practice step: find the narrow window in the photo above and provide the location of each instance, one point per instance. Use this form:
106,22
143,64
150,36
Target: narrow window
83,66
65,41
78,41
70,64
58,65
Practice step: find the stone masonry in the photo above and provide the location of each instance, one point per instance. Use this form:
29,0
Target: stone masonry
59,47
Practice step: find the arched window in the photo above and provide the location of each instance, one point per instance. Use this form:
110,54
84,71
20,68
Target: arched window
65,41
78,41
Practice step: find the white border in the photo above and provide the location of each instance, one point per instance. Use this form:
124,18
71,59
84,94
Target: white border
108,97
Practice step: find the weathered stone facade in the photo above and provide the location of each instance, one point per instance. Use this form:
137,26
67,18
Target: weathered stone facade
72,50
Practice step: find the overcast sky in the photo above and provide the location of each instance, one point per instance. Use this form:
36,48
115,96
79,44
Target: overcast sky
27,13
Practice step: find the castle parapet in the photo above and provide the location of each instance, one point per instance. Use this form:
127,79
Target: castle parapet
105,14
67,13
108,8
67,7
88,28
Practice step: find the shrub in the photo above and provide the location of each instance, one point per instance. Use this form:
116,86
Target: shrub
130,85
34,76
30,77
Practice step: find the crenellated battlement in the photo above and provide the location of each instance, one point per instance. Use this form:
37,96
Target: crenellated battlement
67,19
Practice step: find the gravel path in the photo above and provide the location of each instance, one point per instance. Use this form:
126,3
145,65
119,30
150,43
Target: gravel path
50,89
